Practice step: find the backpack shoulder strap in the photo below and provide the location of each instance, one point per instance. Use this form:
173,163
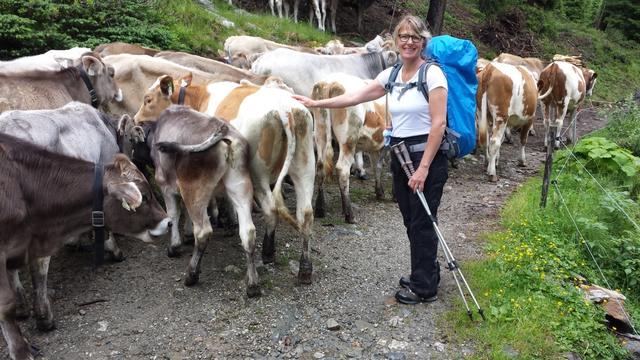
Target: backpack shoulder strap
392,77
422,77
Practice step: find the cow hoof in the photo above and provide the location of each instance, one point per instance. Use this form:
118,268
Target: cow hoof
45,324
191,279
253,291
363,176
188,239
173,252
521,164
305,272
268,258
319,212
117,256
349,219
35,351
22,311
493,178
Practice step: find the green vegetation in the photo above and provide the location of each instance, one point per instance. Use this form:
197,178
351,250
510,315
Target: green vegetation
624,126
530,284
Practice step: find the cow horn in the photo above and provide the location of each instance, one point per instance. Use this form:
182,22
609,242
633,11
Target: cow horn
540,97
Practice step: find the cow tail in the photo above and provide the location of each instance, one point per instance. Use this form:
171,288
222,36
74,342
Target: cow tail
289,121
214,138
551,82
482,124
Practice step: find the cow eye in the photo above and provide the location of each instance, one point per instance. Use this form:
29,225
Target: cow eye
147,101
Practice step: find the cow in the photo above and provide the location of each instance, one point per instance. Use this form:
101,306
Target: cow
506,97
134,73
356,128
90,82
562,88
196,157
52,60
280,135
301,71
250,45
212,66
336,47
47,197
533,64
116,48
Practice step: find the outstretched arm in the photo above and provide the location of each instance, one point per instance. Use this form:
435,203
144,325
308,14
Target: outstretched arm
371,91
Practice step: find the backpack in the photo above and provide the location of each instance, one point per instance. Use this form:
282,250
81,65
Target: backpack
457,58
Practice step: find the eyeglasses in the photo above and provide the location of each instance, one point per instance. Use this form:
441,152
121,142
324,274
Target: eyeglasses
414,38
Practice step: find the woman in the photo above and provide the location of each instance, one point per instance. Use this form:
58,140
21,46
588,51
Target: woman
420,124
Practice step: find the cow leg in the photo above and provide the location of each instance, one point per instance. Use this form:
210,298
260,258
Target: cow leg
377,173
22,307
345,159
173,210
493,149
316,9
360,170
322,137
524,135
39,269
560,121
334,10
17,344
241,196
266,202
112,248
303,179
271,5
296,4
545,110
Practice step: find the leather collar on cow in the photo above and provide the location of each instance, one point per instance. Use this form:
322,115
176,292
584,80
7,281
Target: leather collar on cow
97,215
181,94
87,83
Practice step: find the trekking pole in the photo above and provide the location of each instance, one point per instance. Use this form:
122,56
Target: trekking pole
401,152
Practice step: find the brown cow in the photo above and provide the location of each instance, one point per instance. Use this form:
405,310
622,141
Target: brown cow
46,198
213,66
563,88
116,48
91,82
533,64
196,173
506,97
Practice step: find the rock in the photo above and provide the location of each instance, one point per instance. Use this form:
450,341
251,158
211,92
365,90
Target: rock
318,355
572,356
438,346
362,325
510,352
294,267
82,312
103,325
398,345
333,325
395,321
396,356
232,269
462,236
381,342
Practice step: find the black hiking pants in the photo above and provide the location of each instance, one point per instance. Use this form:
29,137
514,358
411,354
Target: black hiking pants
423,240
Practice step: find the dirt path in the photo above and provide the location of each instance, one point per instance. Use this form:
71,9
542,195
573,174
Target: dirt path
145,312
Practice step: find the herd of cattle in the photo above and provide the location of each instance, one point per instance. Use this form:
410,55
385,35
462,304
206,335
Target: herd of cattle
210,130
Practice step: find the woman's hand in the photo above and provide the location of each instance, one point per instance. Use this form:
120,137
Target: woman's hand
305,100
416,182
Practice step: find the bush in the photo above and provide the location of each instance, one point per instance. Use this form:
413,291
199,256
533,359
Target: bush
624,126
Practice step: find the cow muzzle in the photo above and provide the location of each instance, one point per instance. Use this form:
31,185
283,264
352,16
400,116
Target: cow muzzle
162,227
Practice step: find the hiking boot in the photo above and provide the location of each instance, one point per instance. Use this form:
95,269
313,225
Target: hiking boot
406,296
404,282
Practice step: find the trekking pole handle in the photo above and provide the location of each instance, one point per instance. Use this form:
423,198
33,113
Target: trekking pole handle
403,163
407,157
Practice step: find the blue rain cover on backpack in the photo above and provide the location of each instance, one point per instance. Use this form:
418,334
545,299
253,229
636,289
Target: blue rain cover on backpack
458,58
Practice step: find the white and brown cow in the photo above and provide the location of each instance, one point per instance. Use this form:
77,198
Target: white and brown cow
280,135
197,157
91,82
532,64
116,48
250,45
46,198
355,129
506,97
563,87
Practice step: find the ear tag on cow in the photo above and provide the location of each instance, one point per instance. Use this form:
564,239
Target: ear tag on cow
170,88
184,83
126,206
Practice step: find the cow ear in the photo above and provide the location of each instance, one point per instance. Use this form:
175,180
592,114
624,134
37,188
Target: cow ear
91,65
125,167
65,63
166,85
137,134
391,57
127,192
186,80
124,121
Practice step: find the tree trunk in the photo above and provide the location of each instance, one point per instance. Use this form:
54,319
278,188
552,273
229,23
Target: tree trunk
599,22
435,16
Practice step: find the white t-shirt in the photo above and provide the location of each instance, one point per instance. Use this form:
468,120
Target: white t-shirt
410,115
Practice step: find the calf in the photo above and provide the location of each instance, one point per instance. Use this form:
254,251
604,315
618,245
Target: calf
279,131
90,82
197,173
47,197
506,96
563,87
356,128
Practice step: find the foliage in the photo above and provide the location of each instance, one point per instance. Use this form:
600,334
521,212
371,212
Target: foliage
623,126
623,15
36,26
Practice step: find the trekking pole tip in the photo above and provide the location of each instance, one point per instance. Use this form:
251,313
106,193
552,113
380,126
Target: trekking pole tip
481,312
470,315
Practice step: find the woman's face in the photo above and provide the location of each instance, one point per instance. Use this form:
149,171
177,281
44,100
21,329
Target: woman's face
409,43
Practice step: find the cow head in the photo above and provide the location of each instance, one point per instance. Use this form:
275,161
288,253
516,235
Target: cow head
590,78
390,58
102,78
155,100
240,60
129,205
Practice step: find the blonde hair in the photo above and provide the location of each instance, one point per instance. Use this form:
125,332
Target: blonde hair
416,25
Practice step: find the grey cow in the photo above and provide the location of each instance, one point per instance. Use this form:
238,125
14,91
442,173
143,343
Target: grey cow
75,130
